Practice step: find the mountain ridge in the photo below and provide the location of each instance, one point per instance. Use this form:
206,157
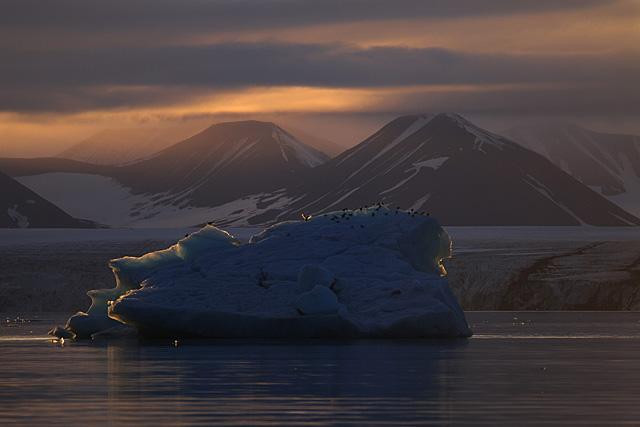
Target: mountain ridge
213,164
21,207
606,162
443,163
255,173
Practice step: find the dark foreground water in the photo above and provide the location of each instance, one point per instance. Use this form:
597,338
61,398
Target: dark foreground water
519,368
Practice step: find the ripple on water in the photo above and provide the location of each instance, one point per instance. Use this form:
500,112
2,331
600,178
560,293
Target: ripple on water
538,367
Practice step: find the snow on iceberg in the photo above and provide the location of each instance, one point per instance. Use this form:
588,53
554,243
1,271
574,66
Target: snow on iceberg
372,272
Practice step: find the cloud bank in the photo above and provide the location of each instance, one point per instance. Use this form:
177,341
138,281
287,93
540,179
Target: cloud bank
200,57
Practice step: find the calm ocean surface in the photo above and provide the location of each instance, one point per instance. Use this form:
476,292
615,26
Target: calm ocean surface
519,368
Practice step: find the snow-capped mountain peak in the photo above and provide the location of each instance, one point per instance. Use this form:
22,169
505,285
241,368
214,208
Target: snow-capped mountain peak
288,143
445,164
224,162
257,173
419,128
483,136
401,128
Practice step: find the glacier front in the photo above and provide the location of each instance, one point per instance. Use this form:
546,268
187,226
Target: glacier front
373,272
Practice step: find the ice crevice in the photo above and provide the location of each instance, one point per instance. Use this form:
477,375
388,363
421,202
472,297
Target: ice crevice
372,272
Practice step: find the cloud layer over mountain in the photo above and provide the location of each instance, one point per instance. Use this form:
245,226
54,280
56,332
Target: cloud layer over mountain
167,59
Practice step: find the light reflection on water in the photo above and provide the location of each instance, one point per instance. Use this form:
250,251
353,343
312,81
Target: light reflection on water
520,367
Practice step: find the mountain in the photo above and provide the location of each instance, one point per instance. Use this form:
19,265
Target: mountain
227,173
608,163
461,173
223,163
123,146
323,145
126,145
255,173
21,208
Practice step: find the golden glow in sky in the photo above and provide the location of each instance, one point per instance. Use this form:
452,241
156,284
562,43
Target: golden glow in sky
74,72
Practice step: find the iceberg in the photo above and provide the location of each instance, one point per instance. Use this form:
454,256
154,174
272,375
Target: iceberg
372,272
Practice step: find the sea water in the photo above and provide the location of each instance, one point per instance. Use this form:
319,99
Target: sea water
518,368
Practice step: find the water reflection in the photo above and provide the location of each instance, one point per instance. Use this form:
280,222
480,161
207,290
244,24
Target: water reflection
513,374
268,381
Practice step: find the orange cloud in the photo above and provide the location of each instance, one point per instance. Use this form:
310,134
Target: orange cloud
609,27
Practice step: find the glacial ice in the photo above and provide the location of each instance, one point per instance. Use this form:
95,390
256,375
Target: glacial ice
372,272
319,300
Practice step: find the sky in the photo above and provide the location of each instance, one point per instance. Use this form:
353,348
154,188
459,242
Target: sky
335,68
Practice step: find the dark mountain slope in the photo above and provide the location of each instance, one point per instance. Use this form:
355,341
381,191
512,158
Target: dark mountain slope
608,163
223,163
21,208
463,174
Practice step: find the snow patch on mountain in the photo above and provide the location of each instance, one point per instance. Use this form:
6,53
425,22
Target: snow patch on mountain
97,197
237,149
483,136
342,198
630,199
305,154
235,213
419,123
104,200
431,164
20,220
607,163
546,192
419,204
